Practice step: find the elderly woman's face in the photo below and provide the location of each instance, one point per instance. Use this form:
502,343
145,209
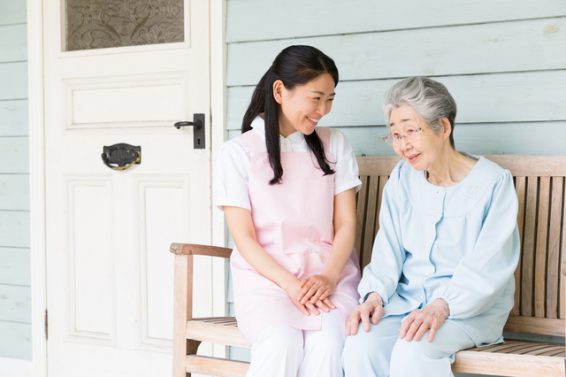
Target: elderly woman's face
413,139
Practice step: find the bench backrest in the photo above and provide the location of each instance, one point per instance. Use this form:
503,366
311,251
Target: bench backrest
540,302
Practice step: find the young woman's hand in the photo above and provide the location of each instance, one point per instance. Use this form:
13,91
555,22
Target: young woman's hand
370,312
316,288
293,290
430,318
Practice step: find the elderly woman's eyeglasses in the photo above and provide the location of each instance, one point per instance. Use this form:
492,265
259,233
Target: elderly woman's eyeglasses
409,136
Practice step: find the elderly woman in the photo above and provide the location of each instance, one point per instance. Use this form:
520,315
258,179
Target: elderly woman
441,275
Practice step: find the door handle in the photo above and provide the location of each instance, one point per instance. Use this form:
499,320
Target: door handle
198,130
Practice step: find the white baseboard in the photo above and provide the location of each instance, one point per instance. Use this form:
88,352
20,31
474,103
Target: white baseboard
15,367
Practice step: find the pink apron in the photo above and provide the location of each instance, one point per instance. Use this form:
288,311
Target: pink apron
293,223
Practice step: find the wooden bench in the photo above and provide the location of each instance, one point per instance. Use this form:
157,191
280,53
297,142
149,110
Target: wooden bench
540,302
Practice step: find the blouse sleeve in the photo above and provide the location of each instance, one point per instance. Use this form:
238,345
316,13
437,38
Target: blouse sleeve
231,176
484,273
382,274
347,172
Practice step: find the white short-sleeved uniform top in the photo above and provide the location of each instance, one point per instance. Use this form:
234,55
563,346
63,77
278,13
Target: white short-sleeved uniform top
233,163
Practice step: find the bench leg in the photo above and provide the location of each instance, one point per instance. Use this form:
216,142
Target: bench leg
192,347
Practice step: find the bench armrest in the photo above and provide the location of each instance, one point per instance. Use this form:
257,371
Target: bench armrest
196,249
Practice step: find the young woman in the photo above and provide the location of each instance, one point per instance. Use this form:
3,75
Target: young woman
287,188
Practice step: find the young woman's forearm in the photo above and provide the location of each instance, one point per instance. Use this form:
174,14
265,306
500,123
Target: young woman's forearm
264,263
344,233
241,228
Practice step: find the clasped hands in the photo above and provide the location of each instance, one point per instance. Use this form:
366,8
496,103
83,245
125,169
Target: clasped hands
312,295
428,319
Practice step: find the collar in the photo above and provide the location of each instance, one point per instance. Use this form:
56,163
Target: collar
258,125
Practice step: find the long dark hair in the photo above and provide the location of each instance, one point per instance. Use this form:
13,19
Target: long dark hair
295,65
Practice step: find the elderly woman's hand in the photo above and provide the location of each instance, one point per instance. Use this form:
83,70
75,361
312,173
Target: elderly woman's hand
430,318
370,312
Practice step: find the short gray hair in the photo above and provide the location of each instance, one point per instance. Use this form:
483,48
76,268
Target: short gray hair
429,98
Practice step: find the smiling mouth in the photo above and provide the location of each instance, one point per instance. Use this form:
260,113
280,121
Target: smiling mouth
313,120
413,157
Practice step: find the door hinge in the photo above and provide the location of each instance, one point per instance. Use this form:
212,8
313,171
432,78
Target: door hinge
46,324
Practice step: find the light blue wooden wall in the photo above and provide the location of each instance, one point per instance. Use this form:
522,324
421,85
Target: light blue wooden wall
503,60
15,317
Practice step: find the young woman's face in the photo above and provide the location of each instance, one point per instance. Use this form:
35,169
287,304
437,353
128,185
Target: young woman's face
302,107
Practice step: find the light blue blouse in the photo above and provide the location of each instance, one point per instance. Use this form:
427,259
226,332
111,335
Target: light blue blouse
459,243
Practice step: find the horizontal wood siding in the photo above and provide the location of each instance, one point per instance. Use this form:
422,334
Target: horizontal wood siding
14,155
15,291
14,81
503,60
12,12
455,50
13,43
504,63
15,341
14,192
252,20
481,98
15,303
13,117
14,266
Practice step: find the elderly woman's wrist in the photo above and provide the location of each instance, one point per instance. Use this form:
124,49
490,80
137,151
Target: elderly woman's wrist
444,307
373,298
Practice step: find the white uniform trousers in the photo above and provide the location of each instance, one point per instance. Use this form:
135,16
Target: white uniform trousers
284,351
380,352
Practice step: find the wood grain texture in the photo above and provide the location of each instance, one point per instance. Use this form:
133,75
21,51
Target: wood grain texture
370,218
361,197
508,364
217,331
196,249
527,249
182,310
554,230
520,188
216,367
540,270
533,325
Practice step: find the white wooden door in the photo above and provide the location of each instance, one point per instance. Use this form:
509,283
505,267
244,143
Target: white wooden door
109,272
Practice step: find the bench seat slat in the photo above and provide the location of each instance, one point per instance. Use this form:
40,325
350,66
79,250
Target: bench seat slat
505,364
215,367
210,331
